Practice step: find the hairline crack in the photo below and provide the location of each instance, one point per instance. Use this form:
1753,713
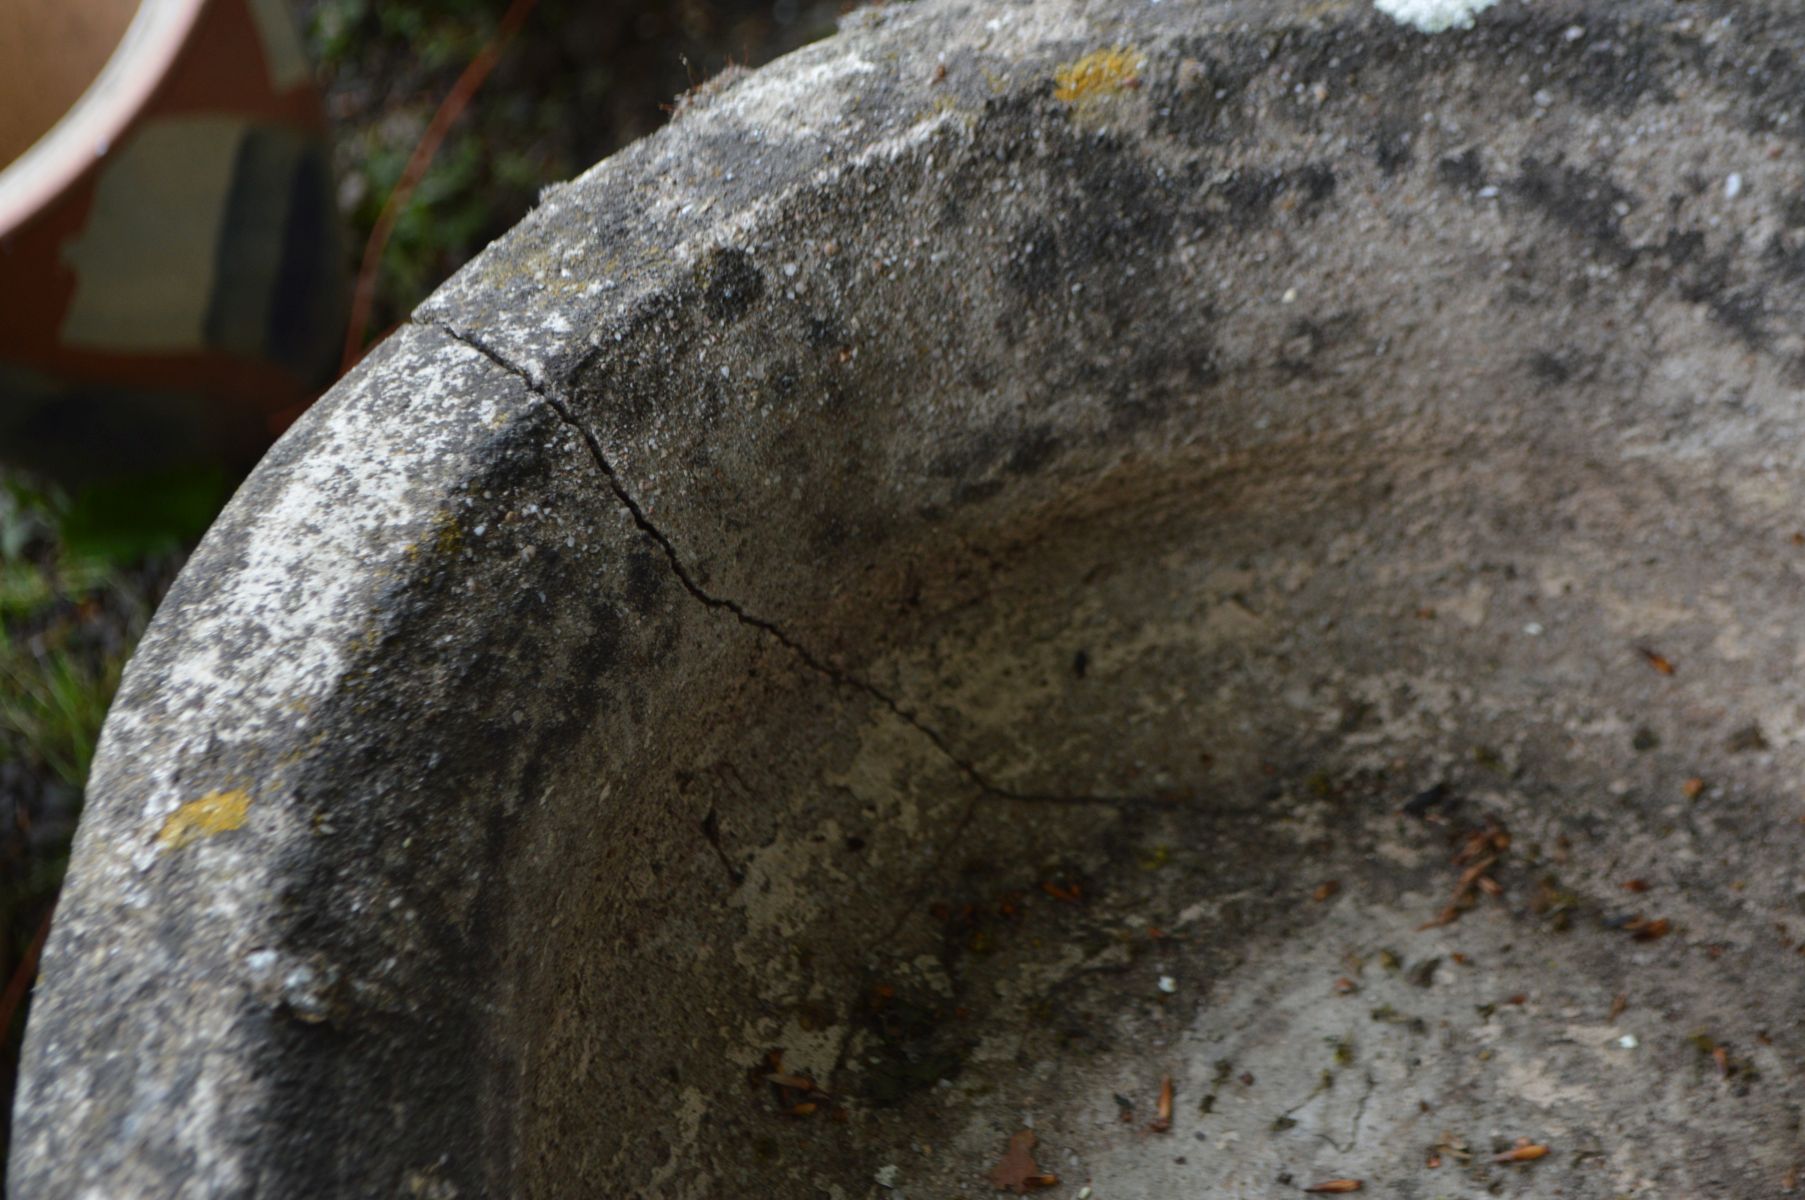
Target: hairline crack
986,787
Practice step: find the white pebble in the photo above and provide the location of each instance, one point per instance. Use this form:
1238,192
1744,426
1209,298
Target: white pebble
1433,16
1167,984
1733,186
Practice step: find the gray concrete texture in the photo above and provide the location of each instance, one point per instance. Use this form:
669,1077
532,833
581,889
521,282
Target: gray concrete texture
1021,552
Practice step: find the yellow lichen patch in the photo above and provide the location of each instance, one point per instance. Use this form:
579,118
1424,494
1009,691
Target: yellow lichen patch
1099,73
216,812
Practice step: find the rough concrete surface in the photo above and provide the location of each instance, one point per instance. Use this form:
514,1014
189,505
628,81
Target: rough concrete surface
1018,553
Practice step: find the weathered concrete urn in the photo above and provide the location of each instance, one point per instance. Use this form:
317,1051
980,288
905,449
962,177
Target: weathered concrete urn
1023,551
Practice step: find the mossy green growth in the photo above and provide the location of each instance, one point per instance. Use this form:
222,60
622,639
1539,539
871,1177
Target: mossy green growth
65,563
52,705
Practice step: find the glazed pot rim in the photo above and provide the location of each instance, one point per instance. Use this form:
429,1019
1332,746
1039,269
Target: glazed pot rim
81,138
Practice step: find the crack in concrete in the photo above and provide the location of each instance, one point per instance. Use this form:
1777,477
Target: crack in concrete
807,657
1353,1133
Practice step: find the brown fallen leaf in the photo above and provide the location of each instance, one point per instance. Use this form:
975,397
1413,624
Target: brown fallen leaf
801,1083
1480,852
1619,1002
1635,885
1017,1172
1451,1146
1476,845
1474,873
1446,916
1338,1186
1527,1152
1657,661
1648,931
1163,1122
1694,788
1325,889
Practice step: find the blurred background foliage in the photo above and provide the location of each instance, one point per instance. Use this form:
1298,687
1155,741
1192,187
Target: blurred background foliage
580,81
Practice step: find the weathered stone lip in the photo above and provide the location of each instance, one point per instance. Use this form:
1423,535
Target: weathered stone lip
930,573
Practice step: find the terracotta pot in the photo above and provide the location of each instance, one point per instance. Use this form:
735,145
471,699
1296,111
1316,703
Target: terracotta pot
171,283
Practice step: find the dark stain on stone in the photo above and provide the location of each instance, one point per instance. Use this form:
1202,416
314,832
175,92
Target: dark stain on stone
1111,208
1614,66
631,372
1683,246
1033,450
961,458
1034,261
1199,102
1549,368
1701,277
1392,146
1250,195
1580,200
833,533
646,575
912,1042
1775,85
1306,338
1303,338
734,285
1792,210
1740,311
1142,387
1785,257
977,490
1315,180
824,333
602,651
1463,170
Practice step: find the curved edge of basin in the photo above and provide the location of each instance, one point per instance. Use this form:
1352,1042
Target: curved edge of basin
245,992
